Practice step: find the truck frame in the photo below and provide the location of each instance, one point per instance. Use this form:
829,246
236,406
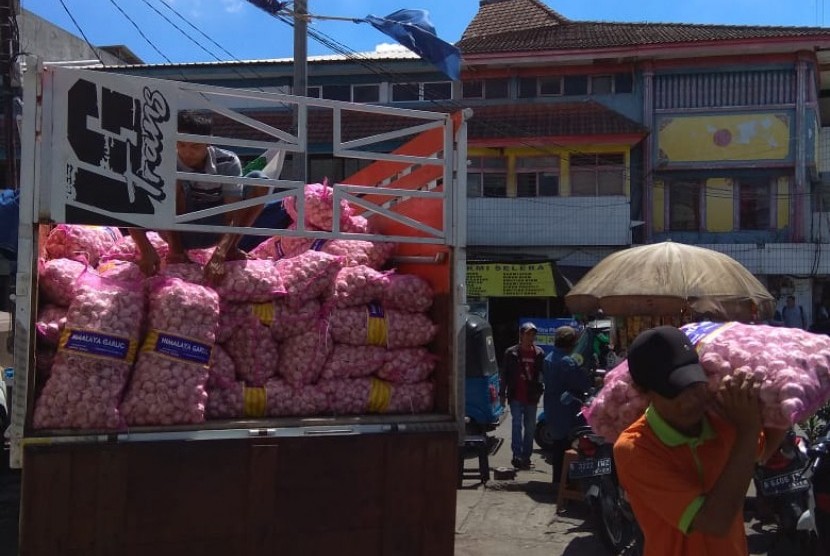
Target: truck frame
99,148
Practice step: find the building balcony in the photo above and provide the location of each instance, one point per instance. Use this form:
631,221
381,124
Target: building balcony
549,221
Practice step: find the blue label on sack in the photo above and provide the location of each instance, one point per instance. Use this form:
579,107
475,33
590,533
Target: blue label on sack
183,348
697,331
318,244
95,343
375,310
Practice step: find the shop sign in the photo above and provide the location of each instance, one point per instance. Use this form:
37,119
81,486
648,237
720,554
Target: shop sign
510,280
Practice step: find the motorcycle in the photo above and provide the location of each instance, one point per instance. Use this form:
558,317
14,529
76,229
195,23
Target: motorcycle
813,526
595,470
780,486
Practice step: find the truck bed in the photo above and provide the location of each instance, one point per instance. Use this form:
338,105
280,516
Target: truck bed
258,496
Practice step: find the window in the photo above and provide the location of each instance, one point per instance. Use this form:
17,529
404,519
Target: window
754,204
684,206
623,83
366,93
527,87
487,177
405,91
537,176
550,86
337,92
496,88
576,85
602,85
313,92
473,89
821,197
597,175
488,88
438,91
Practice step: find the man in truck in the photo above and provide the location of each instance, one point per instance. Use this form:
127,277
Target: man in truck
196,195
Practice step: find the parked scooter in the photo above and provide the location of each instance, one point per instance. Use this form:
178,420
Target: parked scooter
780,486
813,527
597,474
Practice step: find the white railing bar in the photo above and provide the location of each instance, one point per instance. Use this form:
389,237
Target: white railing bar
369,190
232,207
308,234
404,132
367,155
256,124
235,142
221,178
449,178
405,220
308,101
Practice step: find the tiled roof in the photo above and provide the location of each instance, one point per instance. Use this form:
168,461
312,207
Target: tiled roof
499,16
548,120
508,121
519,26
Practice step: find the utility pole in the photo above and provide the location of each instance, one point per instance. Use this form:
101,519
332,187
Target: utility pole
9,47
300,79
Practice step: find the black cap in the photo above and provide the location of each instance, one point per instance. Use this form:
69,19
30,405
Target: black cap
663,360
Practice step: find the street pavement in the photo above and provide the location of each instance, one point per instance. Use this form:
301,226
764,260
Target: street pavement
519,516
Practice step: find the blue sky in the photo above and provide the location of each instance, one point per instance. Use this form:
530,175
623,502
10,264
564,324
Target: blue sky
244,32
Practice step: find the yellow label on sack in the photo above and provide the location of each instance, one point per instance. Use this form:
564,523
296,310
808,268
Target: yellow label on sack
107,266
98,345
377,329
379,396
253,402
265,312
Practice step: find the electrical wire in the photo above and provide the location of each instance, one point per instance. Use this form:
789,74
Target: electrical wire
81,31
140,32
191,39
172,9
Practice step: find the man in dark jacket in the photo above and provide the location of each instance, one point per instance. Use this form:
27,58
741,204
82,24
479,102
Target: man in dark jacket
521,384
562,374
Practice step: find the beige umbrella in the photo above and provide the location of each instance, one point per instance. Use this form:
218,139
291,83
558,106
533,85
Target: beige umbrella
668,278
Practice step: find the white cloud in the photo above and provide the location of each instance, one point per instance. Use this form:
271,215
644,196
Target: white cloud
386,47
233,6
197,8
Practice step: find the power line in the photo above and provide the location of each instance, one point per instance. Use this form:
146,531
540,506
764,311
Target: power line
219,46
194,41
140,32
81,31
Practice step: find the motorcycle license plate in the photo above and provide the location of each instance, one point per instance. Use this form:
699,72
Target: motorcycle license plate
789,482
589,467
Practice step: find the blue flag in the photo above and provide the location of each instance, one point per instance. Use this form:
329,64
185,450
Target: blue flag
413,29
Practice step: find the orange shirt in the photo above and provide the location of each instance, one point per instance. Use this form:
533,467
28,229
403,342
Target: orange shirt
666,476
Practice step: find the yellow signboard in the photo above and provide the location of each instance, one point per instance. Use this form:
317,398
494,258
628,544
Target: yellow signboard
510,280
734,137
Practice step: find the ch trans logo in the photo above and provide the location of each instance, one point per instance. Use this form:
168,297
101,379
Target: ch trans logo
117,145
